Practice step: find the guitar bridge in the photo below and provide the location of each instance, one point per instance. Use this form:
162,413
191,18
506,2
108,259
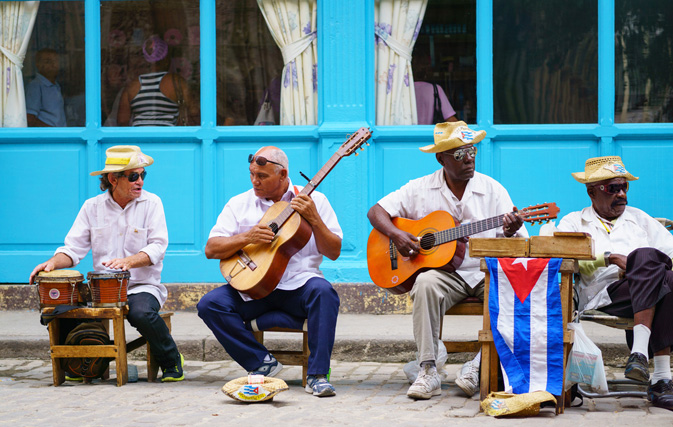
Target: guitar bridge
393,255
243,262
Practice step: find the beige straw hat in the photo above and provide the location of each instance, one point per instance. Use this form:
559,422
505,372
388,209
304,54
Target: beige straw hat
499,404
239,389
452,135
602,168
124,157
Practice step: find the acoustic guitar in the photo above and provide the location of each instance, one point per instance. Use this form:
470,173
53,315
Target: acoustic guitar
441,241
257,268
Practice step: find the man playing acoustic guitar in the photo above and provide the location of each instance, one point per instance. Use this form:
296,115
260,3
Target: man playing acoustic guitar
302,293
468,196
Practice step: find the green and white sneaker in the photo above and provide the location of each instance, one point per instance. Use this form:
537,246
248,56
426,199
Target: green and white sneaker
174,373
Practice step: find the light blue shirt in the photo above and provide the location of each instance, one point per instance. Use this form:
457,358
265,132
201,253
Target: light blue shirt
44,101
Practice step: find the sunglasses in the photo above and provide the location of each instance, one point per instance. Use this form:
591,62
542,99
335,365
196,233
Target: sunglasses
459,155
614,188
261,160
133,176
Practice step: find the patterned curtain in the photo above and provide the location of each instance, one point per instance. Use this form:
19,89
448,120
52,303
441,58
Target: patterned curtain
16,25
397,23
292,24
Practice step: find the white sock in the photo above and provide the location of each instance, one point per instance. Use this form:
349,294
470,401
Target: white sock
267,358
662,368
477,358
641,340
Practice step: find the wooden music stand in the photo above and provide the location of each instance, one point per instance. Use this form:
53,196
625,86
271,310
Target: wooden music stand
569,246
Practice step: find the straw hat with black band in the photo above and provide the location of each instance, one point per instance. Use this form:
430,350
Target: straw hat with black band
452,135
603,168
124,157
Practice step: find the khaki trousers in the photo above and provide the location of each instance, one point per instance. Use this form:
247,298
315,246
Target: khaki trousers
434,292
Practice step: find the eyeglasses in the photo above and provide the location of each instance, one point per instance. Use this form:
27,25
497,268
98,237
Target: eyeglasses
614,188
133,176
261,160
459,155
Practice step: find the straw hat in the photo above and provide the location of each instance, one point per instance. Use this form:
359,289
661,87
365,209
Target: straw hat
239,389
124,157
602,168
499,404
452,135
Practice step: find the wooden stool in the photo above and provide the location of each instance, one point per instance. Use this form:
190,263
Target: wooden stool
152,365
117,350
471,306
289,357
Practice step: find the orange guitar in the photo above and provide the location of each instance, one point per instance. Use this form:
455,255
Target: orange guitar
439,249
257,268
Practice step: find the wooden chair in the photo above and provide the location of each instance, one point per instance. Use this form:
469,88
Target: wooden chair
286,357
117,350
471,306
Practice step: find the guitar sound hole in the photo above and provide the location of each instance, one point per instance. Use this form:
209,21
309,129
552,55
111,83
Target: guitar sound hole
274,227
427,241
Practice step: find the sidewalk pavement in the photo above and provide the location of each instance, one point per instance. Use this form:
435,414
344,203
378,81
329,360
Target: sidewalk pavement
359,338
368,393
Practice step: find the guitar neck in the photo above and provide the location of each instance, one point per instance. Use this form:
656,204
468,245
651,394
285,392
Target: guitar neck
465,230
308,189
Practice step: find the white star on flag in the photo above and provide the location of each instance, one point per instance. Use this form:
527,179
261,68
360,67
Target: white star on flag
522,261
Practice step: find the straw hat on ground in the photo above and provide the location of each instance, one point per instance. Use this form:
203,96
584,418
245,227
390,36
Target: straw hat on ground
123,158
602,168
499,404
239,389
453,135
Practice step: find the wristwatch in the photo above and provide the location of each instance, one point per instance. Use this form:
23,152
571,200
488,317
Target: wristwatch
606,257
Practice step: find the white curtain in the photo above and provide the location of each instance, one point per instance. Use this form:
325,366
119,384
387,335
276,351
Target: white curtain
397,23
16,25
293,26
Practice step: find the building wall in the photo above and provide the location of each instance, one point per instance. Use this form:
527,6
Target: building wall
45,172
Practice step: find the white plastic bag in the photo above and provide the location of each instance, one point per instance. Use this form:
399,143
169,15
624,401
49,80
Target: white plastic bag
585,364
412,368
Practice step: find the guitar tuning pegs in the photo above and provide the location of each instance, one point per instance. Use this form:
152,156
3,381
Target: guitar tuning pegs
356,153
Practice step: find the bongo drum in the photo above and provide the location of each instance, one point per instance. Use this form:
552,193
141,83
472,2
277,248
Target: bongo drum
58,287
108,289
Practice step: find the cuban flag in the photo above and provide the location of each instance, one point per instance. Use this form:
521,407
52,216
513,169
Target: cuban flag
527,322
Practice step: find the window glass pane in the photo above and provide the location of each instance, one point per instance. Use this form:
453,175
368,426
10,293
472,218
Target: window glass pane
53,70
444,58
545,61
644,61
150,63
249,62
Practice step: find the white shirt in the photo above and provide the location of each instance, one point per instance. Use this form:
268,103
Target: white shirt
484,198
112,232
633,229
245,210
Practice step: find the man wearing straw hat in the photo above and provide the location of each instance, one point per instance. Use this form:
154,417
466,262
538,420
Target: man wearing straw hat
468,196
631,276
125,228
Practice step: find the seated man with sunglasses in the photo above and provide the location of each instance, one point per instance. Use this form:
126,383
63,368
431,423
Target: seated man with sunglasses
302,293
125,228
468,196
632,275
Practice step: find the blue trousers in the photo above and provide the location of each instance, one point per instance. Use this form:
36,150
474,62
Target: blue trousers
144,316
225,313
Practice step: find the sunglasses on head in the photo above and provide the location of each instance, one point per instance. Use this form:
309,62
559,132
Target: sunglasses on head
614,188
459,155
133,176
261,160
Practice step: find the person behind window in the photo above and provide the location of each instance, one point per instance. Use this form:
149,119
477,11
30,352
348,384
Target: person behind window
153,100
468,196
44,101
432,104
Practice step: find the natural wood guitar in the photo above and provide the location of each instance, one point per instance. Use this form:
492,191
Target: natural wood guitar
257,268
439,249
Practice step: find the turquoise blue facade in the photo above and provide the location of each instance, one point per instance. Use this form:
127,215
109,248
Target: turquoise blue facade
45,172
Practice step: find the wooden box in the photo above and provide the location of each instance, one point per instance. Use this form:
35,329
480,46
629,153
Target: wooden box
513,247
562,245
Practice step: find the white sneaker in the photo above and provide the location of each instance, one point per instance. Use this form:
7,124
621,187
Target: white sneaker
468,378
427,384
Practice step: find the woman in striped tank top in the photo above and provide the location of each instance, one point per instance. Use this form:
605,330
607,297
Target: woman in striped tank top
152,100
